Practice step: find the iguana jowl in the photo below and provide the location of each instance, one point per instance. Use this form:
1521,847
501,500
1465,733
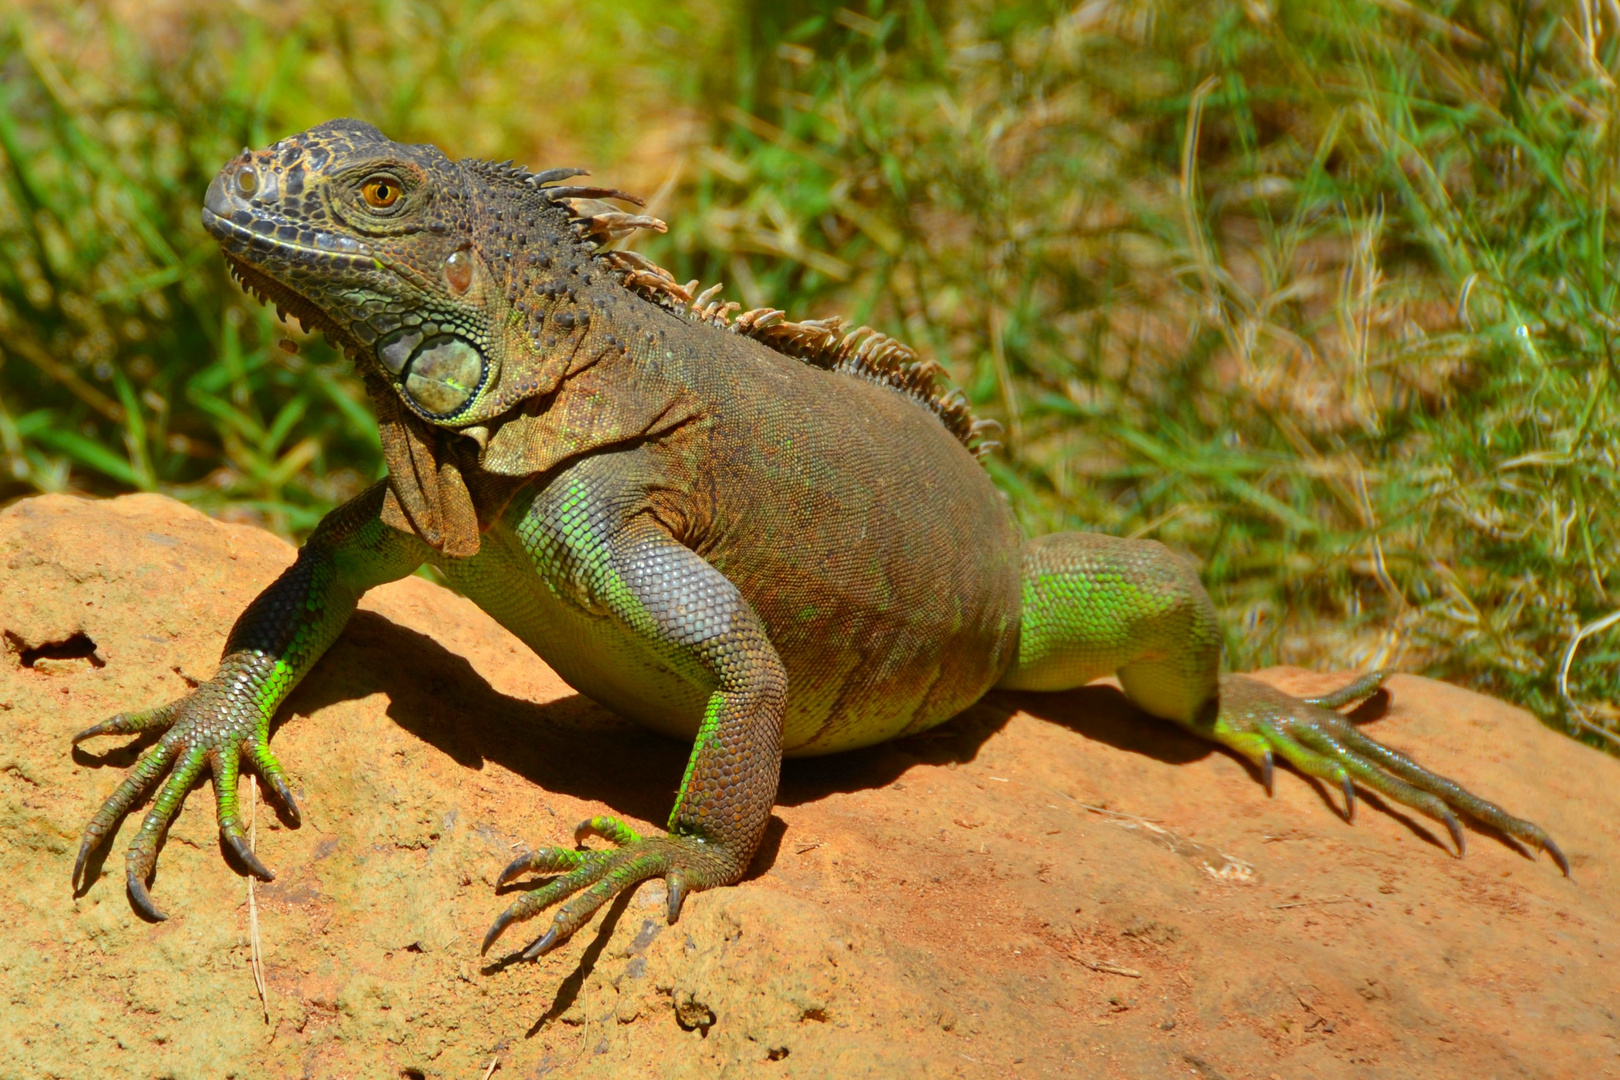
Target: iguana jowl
768,537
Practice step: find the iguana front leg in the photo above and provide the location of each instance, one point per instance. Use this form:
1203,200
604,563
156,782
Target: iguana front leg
272,646
1097,604
665,602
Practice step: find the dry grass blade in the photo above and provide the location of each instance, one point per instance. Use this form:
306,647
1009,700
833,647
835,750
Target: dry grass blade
255,950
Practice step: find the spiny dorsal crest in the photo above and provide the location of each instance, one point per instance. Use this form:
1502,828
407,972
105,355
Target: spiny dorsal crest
829,344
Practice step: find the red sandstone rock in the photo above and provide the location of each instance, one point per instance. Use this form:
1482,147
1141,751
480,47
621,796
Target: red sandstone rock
963,903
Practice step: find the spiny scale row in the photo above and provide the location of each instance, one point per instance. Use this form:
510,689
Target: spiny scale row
825,343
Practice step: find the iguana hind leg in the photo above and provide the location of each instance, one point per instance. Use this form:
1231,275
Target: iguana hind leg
1096,604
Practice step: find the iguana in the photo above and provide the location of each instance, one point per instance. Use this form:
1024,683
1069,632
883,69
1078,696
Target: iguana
765,536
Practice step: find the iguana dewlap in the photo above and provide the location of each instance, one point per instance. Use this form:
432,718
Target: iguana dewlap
767,537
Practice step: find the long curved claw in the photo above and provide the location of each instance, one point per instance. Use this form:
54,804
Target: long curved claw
676,885
541,945
239,846
1458,837
1556,853
271,772
514,870
1324,744
1268,772
141,898
85,847
502,921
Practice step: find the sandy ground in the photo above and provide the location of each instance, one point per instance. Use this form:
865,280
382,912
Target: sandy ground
1047,886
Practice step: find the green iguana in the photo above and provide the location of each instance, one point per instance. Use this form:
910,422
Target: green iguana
768,537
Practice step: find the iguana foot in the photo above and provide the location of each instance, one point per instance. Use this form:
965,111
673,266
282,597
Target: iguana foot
686,863
212,728
1259,721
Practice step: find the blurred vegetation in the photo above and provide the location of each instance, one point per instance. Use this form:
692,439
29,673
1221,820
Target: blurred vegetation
1316,292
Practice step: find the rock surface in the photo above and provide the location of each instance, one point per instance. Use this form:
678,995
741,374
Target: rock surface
1050,885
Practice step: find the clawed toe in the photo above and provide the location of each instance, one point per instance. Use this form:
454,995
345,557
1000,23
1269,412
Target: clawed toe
502,921
1256,719
1458,837
588,880
677,895
551,860
238,845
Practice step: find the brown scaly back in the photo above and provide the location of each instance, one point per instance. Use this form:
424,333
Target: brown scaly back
829,344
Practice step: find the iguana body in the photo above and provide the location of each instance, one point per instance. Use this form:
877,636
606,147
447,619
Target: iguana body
766,537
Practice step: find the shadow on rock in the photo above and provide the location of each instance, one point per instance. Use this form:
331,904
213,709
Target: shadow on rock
576,746
570,745
807,780
1101,713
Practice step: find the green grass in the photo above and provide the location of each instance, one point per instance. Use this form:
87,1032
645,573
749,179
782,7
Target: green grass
1316,292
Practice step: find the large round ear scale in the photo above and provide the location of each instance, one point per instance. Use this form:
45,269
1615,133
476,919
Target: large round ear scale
444,375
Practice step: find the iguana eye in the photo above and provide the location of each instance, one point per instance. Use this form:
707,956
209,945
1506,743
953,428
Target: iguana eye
381,192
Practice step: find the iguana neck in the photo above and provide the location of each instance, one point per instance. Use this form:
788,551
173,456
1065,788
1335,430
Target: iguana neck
589,377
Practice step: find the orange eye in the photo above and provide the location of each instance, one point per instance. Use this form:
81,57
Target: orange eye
381,192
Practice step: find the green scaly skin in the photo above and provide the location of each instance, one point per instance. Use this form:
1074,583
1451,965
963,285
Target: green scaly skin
711,537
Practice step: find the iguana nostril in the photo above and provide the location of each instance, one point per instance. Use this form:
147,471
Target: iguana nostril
247,181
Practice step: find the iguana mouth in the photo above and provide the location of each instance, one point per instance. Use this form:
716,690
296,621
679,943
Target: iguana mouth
267,290
270,232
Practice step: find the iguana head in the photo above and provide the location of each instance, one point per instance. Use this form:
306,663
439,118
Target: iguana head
424,270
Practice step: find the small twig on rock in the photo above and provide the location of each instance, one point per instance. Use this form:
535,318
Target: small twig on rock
1118,815
1321,1021
1107,967
255,952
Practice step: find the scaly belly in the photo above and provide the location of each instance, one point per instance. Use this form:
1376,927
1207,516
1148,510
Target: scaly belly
857,675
